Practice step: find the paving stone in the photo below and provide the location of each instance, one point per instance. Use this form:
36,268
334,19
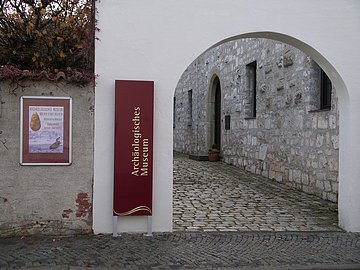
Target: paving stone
185,250
226,195
257,205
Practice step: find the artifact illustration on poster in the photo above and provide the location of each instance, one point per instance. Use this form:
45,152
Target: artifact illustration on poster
46,129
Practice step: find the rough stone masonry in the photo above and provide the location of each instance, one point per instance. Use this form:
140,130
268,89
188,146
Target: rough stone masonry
291,139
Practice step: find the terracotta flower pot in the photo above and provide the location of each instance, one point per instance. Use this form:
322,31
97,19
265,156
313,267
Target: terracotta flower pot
213,156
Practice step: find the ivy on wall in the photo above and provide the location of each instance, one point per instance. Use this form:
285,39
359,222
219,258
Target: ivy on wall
47,39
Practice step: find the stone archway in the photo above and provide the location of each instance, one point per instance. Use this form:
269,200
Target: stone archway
255,142
175,33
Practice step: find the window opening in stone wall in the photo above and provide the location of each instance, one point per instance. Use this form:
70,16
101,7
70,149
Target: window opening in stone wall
190,102
325,91
174,107
227,122
320,92
250,103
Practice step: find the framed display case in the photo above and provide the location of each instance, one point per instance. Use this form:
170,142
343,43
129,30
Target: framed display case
45,130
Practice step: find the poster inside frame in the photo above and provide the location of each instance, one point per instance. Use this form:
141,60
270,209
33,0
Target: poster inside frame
45,130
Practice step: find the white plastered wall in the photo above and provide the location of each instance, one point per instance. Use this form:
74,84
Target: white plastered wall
156,40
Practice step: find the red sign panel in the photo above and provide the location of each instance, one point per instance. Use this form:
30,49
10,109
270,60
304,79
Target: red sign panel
133,159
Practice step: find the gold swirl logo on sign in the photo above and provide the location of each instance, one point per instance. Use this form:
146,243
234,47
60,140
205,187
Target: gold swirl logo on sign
134,210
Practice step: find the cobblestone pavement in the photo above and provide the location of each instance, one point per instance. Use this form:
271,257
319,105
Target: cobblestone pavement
186,250
214,196
208,196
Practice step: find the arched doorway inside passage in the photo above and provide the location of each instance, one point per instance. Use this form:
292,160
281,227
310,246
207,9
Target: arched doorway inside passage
323,63
214,114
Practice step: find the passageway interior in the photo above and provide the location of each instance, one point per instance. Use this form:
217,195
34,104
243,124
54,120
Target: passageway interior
214,196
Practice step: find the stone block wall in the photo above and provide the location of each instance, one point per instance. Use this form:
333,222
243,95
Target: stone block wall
290,140
46,199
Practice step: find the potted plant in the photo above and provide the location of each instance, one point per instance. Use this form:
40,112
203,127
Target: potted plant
214,153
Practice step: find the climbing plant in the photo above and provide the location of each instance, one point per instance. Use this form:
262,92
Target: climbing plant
51,39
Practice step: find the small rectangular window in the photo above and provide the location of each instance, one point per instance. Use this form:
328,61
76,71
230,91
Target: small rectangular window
250,106
174,113
190,108
325,92
227,122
